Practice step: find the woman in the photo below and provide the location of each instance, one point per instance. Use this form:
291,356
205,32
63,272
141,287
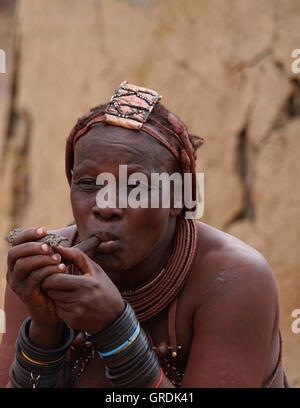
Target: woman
162,300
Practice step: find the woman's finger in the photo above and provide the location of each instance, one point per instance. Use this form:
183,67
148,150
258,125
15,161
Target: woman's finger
24,250
77,257
24,266
37,276
64,282
30,234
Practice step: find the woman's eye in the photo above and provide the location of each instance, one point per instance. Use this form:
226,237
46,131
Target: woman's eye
88,182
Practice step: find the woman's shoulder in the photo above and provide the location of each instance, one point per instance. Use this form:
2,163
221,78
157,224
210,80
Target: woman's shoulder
224,250
224,261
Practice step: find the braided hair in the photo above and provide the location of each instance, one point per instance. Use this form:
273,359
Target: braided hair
166,123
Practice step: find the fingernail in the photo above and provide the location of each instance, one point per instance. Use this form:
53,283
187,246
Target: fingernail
62,267
56,257
45,247
40,230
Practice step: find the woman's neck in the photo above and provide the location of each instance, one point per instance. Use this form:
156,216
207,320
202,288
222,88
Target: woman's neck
146,270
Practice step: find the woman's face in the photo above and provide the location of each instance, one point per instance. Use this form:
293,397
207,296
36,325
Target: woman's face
129,235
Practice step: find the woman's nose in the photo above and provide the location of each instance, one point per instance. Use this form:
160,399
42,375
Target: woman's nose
107,212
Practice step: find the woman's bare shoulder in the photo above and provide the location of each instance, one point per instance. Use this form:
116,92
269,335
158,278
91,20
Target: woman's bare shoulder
224,261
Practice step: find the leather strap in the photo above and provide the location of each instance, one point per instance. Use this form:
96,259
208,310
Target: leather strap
172,325
278,365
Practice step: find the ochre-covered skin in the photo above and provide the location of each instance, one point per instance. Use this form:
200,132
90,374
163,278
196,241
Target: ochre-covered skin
227,313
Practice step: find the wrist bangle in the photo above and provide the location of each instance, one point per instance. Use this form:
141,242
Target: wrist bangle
39,354
124,345
34,366
117,333
126,351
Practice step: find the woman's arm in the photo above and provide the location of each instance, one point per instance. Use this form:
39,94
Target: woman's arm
91,303
15,313
27,266
233,327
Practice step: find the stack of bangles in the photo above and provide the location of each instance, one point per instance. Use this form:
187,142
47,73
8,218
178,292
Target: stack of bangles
128,356
37,367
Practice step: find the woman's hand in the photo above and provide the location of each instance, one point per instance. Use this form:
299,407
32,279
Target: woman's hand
29,263
87,302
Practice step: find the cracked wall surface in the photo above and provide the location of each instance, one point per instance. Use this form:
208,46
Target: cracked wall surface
223,66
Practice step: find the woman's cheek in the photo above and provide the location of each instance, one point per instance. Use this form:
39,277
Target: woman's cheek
81,202
81,208
146,227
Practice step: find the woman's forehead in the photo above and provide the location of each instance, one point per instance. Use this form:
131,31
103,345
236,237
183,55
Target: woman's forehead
125,144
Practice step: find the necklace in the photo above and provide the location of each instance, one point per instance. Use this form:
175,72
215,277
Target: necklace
150,299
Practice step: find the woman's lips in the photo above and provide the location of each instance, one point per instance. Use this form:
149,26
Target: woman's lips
108,246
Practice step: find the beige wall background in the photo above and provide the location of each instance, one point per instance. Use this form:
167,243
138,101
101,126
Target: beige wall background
224,66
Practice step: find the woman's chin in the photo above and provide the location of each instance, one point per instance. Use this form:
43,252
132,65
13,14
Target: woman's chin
109,262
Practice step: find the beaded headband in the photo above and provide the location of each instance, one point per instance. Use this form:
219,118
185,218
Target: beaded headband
130,106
